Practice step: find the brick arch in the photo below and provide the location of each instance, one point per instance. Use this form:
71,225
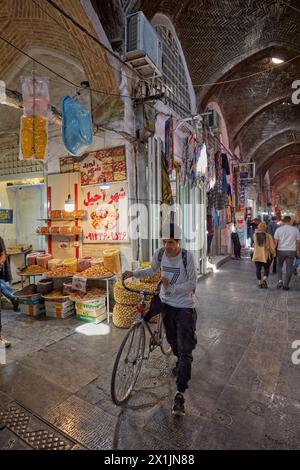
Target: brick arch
279,153
27,27
278,139
223,128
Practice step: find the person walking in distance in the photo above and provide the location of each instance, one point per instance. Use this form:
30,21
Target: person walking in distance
236,243
264,250
287,241
272,227
178,276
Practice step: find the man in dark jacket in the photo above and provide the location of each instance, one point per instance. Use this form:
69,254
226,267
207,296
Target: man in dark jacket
272,227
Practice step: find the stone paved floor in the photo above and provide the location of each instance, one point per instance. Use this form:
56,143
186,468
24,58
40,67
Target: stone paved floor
244,393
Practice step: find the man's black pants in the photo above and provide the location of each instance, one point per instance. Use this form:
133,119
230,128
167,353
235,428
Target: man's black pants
180,326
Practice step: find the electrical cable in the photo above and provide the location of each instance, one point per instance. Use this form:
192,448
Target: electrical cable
61,76
85,45
62,12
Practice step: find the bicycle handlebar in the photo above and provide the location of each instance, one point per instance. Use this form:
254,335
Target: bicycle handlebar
140,291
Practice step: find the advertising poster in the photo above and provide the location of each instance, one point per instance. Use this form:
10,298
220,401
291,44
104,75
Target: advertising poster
106,164
6,216
107,213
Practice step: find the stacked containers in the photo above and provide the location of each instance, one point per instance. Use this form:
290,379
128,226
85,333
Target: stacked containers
71,263
91,311
42,260
83,264
31,305
59,308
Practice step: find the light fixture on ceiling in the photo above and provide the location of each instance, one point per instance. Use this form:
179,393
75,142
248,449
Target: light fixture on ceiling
69,204
104,185
277,60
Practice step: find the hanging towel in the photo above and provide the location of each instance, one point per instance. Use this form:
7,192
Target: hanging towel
166,190
202,161
169,145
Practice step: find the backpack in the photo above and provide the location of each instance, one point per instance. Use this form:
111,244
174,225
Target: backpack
184,259
183,254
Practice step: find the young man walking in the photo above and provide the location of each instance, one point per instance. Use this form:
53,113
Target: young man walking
287,241
178,276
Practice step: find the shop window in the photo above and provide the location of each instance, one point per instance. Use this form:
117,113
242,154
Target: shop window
173,73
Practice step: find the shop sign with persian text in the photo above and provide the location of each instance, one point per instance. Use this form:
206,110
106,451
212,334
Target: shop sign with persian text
106,164
107,214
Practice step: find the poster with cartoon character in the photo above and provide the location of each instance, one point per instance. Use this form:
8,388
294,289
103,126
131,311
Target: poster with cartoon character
107,213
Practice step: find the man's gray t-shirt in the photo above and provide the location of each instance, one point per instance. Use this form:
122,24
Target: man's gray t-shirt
287,237
182,281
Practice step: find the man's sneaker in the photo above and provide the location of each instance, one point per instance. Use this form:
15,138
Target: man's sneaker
279,285
178,406
285,288
264,283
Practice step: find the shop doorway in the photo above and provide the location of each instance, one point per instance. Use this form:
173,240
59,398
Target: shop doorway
29,211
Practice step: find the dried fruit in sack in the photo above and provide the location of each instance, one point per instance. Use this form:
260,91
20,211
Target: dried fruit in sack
96,271
33,269
60,271
55,294
125,297
92,294
152,279
124,315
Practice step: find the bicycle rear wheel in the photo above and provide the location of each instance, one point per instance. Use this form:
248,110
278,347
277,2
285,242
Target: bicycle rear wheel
128,364
164,345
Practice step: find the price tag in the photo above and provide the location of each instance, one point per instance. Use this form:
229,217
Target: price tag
79,284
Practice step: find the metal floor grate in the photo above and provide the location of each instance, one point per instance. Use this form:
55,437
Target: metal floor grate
35,432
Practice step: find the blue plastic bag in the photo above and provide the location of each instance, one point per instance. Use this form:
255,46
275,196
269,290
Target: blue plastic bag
77,128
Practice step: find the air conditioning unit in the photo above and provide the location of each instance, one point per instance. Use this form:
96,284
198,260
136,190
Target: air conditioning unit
143,49
247,171
212,119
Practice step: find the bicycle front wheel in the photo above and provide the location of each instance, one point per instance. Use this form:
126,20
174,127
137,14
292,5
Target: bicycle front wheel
128,364
164,345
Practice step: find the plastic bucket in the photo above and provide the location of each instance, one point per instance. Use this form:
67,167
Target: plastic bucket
111,260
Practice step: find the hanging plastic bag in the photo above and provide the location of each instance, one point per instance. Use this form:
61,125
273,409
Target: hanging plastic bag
2,92
34,122
77,126
35,94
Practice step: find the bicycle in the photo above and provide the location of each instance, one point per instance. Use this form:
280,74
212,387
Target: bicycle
130,356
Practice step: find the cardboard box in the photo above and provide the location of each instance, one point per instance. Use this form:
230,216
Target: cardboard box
32,310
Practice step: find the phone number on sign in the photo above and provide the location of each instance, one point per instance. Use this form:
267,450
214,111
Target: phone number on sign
102,236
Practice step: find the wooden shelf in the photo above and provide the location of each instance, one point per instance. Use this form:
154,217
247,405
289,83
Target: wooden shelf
60,234
61,220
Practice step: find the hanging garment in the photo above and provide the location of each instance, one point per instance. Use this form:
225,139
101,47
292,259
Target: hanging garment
218,165
224,181
166,191
215,219
77,126
202,160
229,195
228,215
225,164
169,144
223,219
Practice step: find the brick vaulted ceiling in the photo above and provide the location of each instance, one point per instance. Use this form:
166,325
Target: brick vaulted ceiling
231,39
39,30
